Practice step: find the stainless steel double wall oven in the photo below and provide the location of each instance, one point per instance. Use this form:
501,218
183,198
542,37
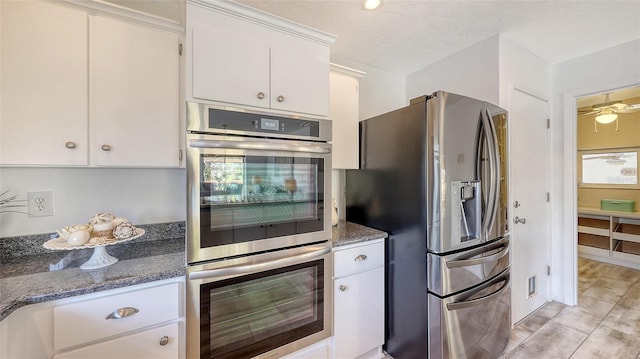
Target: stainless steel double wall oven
258,230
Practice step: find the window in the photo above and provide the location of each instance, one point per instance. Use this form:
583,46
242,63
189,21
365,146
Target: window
607,168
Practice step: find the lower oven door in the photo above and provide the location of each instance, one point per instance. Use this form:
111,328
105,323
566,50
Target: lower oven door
261,306
473,324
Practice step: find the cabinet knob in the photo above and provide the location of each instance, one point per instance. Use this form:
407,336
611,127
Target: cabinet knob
280,98
106,148
122,313
342,288
260,95
360,258
164,340
70,145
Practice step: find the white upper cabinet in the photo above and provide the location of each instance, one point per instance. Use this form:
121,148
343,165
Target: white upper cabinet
344,112
81,89
134,92
43,78
299,76
229,65
241,57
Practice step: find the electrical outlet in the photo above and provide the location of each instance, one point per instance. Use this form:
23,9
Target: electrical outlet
40,204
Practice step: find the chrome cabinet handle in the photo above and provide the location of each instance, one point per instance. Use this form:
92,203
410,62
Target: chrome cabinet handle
519,220
70,145
360,258
342,288
106,148
280,98
260,95
164,340
122,313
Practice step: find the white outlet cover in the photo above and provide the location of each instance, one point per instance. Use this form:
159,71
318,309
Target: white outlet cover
40,204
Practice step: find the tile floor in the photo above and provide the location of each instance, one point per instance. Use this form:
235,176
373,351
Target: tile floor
604,324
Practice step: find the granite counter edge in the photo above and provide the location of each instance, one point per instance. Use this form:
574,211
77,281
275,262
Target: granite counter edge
33,298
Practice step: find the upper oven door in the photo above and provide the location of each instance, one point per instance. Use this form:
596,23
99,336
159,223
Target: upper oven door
248,195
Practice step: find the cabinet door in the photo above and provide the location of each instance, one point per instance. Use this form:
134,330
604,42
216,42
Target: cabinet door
230,63
358,313
134,92
43,95
299,76
320,350
343,113
157,343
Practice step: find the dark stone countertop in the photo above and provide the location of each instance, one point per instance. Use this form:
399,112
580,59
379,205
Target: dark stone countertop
40,276
346,233
48,276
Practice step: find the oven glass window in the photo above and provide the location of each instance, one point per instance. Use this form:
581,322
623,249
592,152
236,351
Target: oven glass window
246,316
246,198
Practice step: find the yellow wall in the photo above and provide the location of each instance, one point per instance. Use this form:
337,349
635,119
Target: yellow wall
607,137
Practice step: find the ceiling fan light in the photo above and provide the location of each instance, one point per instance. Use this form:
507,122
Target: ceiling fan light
606,118
372,4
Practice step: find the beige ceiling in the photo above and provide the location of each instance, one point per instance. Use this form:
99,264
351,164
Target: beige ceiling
404,36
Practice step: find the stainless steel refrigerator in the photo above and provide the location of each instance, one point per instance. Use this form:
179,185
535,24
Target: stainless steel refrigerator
434,176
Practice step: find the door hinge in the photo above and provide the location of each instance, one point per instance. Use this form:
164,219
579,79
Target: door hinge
548,270
180,49
548,197
180,156
548,123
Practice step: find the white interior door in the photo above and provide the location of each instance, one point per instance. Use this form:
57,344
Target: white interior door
529,187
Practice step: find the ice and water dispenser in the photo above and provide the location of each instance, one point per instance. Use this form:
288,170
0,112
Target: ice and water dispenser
466,211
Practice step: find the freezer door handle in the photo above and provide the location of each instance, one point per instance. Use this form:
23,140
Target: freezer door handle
504,245
506,278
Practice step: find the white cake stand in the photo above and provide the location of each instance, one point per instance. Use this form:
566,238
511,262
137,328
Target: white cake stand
100,258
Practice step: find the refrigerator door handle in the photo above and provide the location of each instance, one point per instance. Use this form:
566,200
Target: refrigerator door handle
506,278
487,133
496,168
458,263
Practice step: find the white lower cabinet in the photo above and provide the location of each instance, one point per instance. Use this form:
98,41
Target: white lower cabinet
358,327
140,321
319,350
96,318
157,343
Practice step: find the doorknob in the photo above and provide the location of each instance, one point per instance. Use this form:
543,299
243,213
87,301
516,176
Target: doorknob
517,220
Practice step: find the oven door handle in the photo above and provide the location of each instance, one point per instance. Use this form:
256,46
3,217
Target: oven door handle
257,267
246,145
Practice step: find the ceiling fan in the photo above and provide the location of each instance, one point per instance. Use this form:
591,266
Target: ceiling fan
610,106
607,111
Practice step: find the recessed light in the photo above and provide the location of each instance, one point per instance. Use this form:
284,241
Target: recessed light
372,4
